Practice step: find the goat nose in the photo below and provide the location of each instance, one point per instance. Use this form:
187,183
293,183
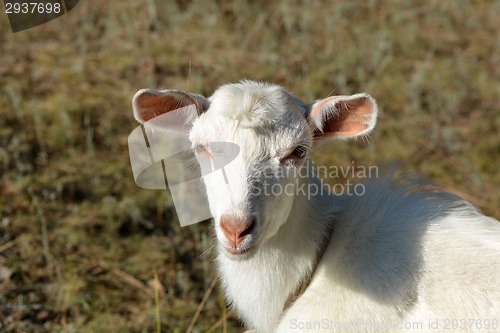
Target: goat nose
235,229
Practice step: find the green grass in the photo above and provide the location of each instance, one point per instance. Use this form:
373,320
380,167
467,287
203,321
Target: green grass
80,243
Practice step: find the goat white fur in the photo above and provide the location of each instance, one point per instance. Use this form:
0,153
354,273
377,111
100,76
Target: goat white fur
401,256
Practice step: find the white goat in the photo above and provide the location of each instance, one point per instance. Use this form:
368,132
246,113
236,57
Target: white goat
400,256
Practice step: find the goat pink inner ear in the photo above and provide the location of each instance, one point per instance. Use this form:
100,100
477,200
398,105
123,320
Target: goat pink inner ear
343,116
151,105
342,123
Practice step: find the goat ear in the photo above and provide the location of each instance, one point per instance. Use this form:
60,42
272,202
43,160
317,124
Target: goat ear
148,104
343,117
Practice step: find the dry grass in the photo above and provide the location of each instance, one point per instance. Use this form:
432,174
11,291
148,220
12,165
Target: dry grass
79,242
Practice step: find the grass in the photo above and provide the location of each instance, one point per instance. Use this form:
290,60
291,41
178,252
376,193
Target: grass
82,249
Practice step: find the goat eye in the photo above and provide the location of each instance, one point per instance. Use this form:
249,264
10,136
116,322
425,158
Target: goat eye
199,148
299,152
295,156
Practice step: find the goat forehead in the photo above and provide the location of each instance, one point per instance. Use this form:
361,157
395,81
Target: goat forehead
254,142
252,115
255,104
221,129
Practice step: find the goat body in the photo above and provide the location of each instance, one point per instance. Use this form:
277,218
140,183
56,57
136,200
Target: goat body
403,255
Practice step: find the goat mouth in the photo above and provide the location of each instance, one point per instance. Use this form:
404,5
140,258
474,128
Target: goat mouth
238,251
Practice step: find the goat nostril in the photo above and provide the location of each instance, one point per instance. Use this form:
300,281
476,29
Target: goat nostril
249,229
